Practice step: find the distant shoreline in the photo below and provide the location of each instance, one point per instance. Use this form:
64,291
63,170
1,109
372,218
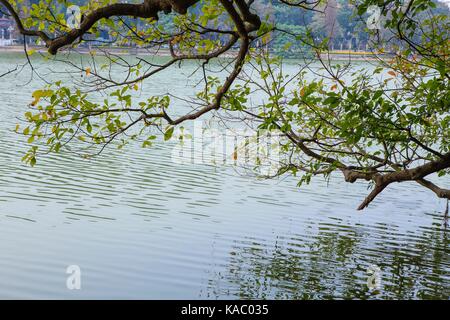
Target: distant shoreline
98,50
83,50
336,55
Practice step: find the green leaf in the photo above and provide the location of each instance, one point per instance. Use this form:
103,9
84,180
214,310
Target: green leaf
168,134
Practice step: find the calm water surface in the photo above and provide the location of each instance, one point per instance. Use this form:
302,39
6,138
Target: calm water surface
141,226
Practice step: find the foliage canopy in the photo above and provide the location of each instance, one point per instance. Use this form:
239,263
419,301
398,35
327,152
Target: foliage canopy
385,124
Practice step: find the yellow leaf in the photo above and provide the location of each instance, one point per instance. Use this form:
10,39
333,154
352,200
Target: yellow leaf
265,39
334,87
88,71
392,73
38,94
176,39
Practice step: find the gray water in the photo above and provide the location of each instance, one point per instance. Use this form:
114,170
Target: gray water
140,226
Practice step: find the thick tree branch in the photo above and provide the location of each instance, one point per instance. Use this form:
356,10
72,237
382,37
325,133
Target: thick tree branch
440,192
416,174
352,174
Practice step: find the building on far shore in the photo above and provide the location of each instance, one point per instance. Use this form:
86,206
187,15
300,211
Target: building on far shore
6,32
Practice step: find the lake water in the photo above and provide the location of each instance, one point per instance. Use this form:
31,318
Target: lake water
141,226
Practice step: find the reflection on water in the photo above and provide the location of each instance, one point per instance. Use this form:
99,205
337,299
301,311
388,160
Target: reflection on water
334,265
140,226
